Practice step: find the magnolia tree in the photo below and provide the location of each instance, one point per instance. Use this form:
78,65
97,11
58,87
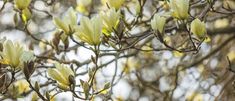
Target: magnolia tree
117,50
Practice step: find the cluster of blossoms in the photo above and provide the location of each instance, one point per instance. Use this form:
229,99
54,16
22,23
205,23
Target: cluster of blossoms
179,11
89,30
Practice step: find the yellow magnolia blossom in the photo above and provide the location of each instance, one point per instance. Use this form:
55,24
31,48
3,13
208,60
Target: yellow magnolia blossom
26,15
113,3
195,97
231,55
83,6
35,97
61,74
221,23
11,54
198,28
110,20
158,23
22,86
165,5
207,39
68,23
16,89
89,30
179,9
22,4
131,65
177,53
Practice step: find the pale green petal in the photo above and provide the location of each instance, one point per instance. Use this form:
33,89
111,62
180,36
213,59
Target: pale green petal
83,36
89,30
55,74
161,24
180,8
198,28
110,20
18,50
97,29
86,27
115,3
22,4
64,70
70,17
158,23
153,23
10,53
60,24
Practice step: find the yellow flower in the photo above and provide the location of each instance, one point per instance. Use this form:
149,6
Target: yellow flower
179,9
34,97
114,3
26,15
198,28
22,86
194,97
22,4
61,74
231,55
158,23
177,54
110,20
83,6
11,54
89,30
68,23
131,65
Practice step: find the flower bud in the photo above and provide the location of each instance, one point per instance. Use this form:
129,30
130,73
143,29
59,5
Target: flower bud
26,15
179,9
198,28
85,87
107,85
61,74
158,23
28,69
48,95
37,86
72,79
